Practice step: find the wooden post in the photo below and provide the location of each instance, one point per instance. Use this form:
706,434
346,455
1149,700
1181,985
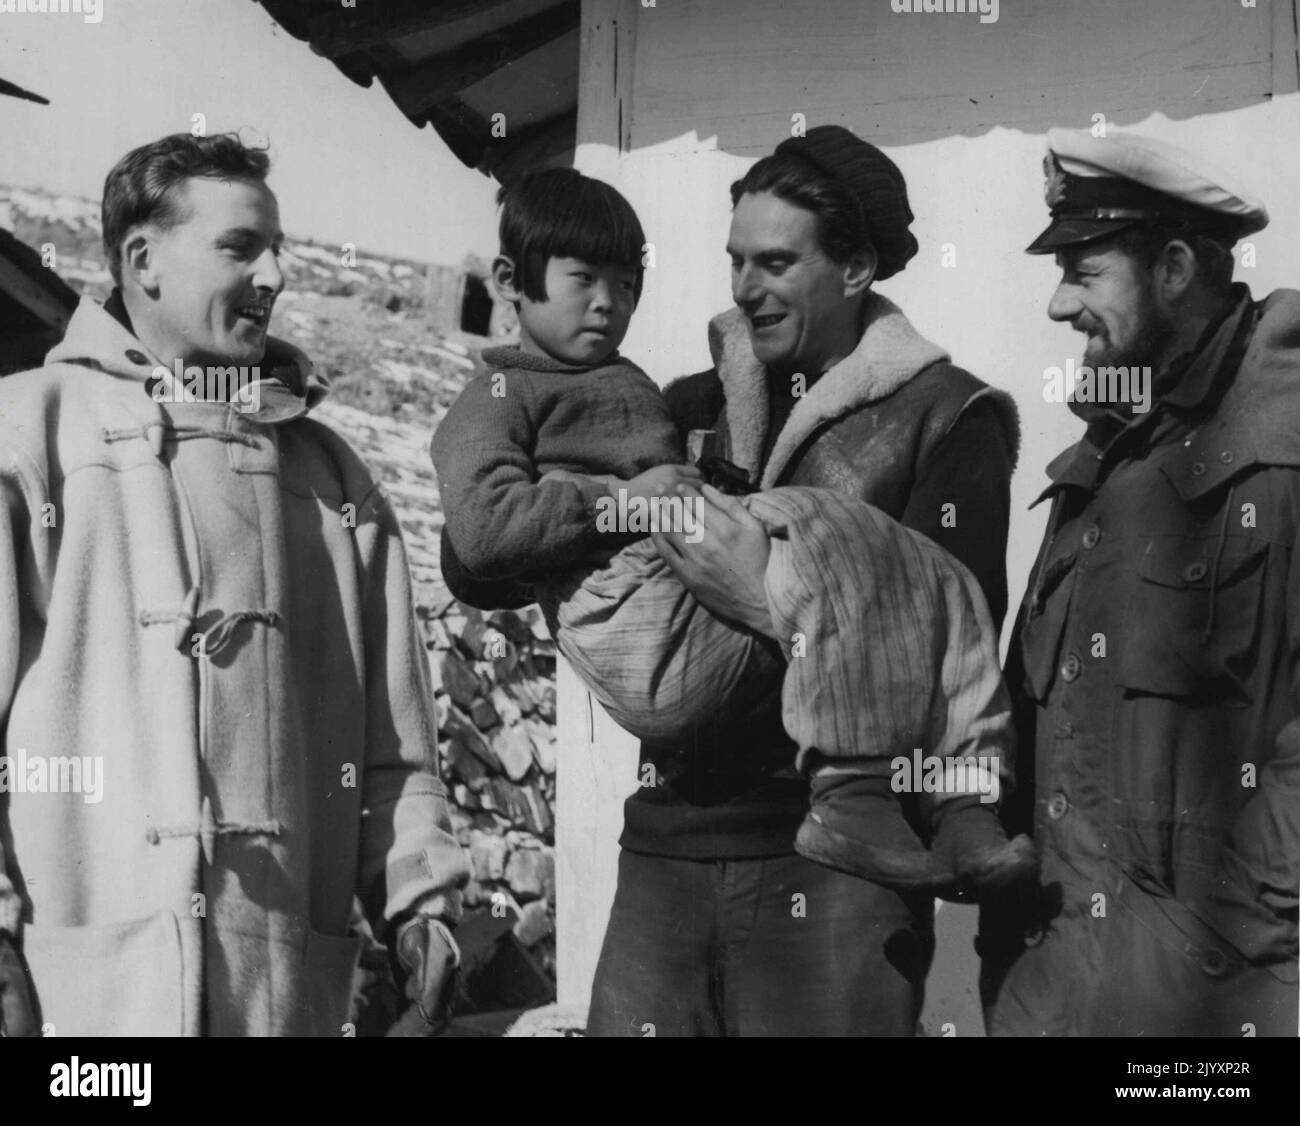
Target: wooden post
1286,61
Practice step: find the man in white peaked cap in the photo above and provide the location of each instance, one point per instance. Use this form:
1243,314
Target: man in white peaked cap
1155,662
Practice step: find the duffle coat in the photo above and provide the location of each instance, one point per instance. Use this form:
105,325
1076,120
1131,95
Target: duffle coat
213,609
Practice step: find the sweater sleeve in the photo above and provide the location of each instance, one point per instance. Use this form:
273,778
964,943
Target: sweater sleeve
970,470
408,852
501,520
502,594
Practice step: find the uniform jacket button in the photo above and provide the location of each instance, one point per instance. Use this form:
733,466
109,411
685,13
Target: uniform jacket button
1195,572
1071,668
1226,457
1058,805
1198,469
1091,536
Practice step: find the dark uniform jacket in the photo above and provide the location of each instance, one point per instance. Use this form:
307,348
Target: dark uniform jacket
1155,670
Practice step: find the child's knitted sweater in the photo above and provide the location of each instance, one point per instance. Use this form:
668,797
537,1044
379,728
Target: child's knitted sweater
529,415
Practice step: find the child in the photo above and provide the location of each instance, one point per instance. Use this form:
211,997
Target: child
529,458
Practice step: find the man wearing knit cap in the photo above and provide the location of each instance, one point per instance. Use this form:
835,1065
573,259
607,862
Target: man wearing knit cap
718,926
1156,658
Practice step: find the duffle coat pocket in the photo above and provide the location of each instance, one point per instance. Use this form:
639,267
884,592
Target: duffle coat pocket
119,979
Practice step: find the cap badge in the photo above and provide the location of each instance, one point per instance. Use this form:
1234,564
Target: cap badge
1054,189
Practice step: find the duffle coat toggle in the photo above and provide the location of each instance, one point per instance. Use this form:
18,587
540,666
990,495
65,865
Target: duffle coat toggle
209,829
216,637
157,434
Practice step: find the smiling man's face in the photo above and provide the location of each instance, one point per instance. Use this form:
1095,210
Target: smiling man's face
1107,295
793,296
215,274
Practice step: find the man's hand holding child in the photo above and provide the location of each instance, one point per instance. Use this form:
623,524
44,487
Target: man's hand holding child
726,567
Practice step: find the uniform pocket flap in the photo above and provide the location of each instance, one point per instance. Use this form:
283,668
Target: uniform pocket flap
1192,627
1190,564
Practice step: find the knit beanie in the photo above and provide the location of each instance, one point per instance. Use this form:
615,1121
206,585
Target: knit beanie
873,178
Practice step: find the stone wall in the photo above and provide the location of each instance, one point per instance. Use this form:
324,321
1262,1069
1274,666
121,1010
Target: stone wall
494,678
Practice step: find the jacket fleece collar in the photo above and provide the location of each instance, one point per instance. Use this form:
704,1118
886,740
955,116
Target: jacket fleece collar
96,339
890,353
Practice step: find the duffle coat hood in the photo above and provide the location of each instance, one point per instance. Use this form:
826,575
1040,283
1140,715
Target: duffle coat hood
207,615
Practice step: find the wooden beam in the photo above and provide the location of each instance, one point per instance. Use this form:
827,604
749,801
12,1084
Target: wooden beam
444,76
469,136
539,146
32,295
340,31
464,131
18,92
606,49
1286,57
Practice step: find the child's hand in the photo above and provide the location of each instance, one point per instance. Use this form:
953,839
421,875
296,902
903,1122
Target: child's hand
661,481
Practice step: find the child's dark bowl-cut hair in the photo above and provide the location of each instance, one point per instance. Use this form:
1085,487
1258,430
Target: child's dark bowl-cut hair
560,213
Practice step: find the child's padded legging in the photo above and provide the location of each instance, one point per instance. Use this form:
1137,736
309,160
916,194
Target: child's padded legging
890,643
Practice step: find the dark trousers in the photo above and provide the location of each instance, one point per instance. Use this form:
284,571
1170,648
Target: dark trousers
775,947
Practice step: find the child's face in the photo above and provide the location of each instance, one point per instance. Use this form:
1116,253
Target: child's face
585,315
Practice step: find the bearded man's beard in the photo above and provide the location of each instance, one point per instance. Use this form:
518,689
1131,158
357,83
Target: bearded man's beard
1146,345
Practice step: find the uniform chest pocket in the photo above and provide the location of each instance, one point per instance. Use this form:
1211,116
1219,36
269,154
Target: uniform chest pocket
1193,624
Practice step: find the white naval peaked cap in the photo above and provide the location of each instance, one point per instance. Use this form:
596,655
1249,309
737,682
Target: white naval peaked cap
1098,186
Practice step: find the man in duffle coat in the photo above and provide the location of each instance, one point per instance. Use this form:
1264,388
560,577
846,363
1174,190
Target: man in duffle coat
218,722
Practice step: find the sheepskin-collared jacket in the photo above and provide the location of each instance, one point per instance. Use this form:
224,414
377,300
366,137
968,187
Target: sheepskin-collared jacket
216,706
894,424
